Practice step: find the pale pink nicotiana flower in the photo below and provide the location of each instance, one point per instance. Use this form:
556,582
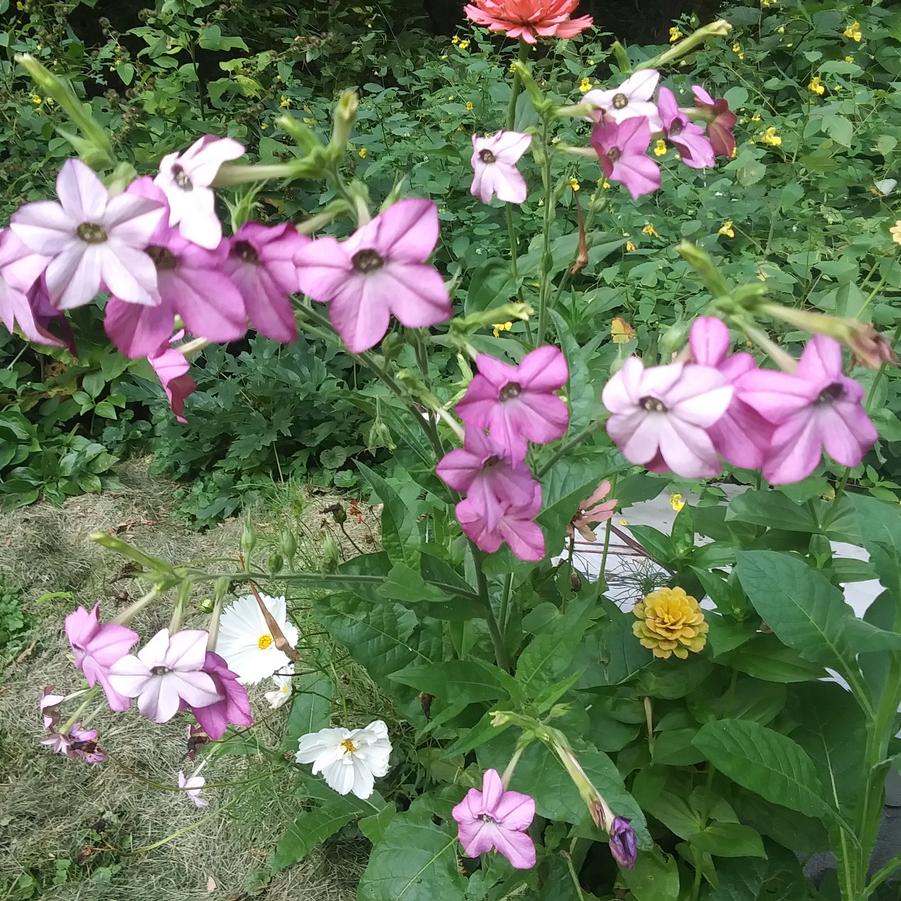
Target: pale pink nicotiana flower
378,271
20,270
494,161
94,240
634,98
186,178
695,149
660,415
622,151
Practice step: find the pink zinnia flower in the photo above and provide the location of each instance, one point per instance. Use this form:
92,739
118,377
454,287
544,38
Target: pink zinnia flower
94,240
721,121
262,262
495,819
689,139
529,20
660,415
233,708
165,672
171,367
815,408
517,404
512,524
190,285
20,270
593,510
634,98
622,152
741,435
97,647
379,270
494,161
480,470
186,178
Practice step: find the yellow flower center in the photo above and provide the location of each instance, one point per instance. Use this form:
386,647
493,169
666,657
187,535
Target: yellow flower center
349,746
264,642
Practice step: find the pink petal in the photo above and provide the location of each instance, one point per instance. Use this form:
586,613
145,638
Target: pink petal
458,468
137,329
637,434
633,136
709,340
525,538
515,811
416,293
208,302
128,676
517,847
73,276
509,146
509,185
128,273
159,700
777,396
688,450
154,652
543,369
44,227
623,390
132,219
199,222
81,192
408,230
323,266
844,443
204,162
492,790
187,650
796,451
360,313
196,688
639,174
821,360
640,86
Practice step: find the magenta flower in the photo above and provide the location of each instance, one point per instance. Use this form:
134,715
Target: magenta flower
512,524
190,285
83,745
689,139
97,647
494,161
622,152
233,707
593,510
165,672
379,270
741,435
94,240
20,270
185,178
660,415
517,404
262,262
815,408
495,819
634,98
171,367
623,846
721,121
480,470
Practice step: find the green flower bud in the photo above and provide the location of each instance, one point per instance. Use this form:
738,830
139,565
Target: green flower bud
248,539
288,544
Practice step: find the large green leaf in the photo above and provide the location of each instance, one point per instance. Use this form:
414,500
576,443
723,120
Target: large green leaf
806,611
771,508
765,762
400,533
655,877
765,657
459,681
311,829
879,524
311,707
415,861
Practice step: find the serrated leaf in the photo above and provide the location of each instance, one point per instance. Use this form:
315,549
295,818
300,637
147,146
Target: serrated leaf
311,707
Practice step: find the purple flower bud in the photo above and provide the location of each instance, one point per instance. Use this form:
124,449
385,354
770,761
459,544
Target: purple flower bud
622,843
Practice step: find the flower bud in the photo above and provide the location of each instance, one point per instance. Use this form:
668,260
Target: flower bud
221,587
330,553
623,846
305,138
248,539
288,544
344,117
276,563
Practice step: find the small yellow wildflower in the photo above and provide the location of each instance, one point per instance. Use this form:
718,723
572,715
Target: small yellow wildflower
762,275
736,49
650,231
895,232
575,184
660,147
363,153
469,106
455,39
620,330
264,125
451,97
604,184
755,117
630,246
499,327
463,45
36,99
585,85
674,35
766,4
669,621
849,59
816,86
726,229
677,502
771,137
781,29
853,32
624,522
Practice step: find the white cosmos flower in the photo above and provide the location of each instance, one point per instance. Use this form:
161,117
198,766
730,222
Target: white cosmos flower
350,760
282,691
191,787
246,642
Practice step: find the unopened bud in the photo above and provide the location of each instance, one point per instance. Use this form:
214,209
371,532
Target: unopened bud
248,539
276,563
330,554
306,139
344,117
206,605
623,845
288,544
221,587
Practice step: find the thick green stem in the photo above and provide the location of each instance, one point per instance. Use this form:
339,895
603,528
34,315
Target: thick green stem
497,639
516,87
544,288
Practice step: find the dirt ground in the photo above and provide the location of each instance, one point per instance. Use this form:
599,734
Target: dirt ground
120,830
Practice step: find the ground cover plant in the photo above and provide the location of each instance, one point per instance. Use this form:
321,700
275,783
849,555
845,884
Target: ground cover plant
533,366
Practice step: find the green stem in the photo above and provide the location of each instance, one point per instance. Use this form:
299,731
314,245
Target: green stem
881,875
546,258
516,87
576,440
89,697
497,639
505,603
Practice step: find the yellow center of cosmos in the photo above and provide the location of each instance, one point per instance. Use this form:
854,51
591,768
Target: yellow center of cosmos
264,642
348,746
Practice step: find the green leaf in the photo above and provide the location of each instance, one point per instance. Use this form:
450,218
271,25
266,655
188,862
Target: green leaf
658,545
404,584
459,681
765,657
310,830
311,708
415,861
879,524
806,611
771,508
765,762
655,877
400,534
125,71
374,827
728,840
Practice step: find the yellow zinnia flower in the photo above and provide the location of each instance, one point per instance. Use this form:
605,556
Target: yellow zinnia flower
669,621
674,35
853,32
726,229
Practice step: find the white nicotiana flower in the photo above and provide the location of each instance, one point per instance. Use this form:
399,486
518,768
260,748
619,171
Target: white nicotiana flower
349,760
191,787
282,691
246,642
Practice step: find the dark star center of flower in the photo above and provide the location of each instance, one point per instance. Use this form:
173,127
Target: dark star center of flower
510,391
676,127
367,260
486,156
159,670
620,101
831,393
162,257
180,177
490,461
91,233
487,818
613,154
245,251
653,405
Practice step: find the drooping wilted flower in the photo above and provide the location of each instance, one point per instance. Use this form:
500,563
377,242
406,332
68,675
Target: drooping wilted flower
171,367
721,121
593,510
